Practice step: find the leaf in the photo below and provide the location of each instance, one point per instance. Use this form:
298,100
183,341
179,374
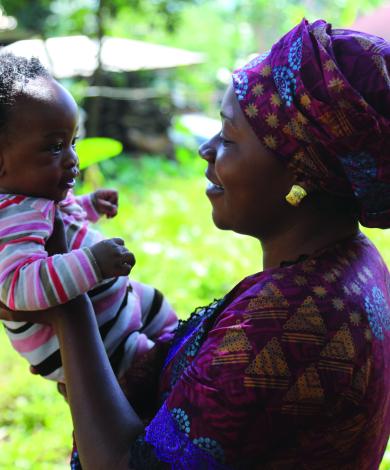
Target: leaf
97,149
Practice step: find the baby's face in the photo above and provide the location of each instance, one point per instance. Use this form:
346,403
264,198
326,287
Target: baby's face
37,155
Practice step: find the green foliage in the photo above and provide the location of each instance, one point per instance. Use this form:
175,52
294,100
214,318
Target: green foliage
80,16
269,20
96,149
30,15
164,218
385,465
225,31
77,17
35,425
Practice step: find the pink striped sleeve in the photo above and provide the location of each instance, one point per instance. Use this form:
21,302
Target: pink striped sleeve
34,341
164,321
55,280
86,202
29,278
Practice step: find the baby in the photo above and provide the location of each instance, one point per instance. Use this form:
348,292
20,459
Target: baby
38,167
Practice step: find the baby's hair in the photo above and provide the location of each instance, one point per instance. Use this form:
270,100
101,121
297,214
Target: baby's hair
15,73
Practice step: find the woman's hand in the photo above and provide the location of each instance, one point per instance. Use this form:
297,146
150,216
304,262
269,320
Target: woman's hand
47,317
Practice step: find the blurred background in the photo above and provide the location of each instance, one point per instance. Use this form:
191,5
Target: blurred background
148,76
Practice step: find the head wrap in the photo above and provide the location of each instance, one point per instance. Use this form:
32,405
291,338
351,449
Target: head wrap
320,100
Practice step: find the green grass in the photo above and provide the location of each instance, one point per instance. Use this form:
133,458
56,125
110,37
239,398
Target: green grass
164,218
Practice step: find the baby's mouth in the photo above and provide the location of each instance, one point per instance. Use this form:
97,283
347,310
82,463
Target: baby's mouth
70,183
69,180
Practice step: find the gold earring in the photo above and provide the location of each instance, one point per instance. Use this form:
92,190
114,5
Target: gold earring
295,196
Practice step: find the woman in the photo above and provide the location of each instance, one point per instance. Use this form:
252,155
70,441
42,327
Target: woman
291,368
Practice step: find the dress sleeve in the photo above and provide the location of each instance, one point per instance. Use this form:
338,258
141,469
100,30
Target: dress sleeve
143,456
267,368
30,279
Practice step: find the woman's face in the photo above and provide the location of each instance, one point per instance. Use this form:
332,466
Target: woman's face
247,183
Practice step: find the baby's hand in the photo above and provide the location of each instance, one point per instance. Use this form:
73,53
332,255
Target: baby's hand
106,202
113,258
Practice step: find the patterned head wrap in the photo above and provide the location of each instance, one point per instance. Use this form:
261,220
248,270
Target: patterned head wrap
320,100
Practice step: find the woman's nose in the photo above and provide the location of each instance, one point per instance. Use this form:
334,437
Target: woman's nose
207,150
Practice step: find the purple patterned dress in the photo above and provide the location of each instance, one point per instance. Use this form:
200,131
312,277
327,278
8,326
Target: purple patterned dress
289,371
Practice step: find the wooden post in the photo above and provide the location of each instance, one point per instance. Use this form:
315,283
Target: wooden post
97,77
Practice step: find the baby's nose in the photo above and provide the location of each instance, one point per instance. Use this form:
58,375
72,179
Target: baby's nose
75,171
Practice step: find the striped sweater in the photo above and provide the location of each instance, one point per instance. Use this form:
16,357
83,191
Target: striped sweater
131,315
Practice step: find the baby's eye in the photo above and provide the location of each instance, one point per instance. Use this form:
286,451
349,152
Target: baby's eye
56,148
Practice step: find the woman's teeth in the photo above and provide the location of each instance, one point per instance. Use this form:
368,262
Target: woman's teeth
213,186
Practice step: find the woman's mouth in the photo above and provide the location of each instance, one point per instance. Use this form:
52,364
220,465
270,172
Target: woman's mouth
213,189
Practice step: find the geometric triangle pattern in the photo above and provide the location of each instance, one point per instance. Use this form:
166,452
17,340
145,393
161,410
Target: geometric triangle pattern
269,361
341,345
235,340
361,378
307,388
307,318
269,297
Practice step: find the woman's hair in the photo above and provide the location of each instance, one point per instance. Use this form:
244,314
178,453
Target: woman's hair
320,100
15,73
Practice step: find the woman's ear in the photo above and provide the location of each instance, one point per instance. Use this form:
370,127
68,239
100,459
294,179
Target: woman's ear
290,178
2,166
3,146
2,161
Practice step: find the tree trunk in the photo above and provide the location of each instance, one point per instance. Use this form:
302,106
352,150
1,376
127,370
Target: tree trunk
97,77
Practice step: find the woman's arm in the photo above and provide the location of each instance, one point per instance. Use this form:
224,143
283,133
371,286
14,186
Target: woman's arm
104,422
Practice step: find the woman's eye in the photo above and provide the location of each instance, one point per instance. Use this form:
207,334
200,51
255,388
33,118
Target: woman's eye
56,148
224,141
74,141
